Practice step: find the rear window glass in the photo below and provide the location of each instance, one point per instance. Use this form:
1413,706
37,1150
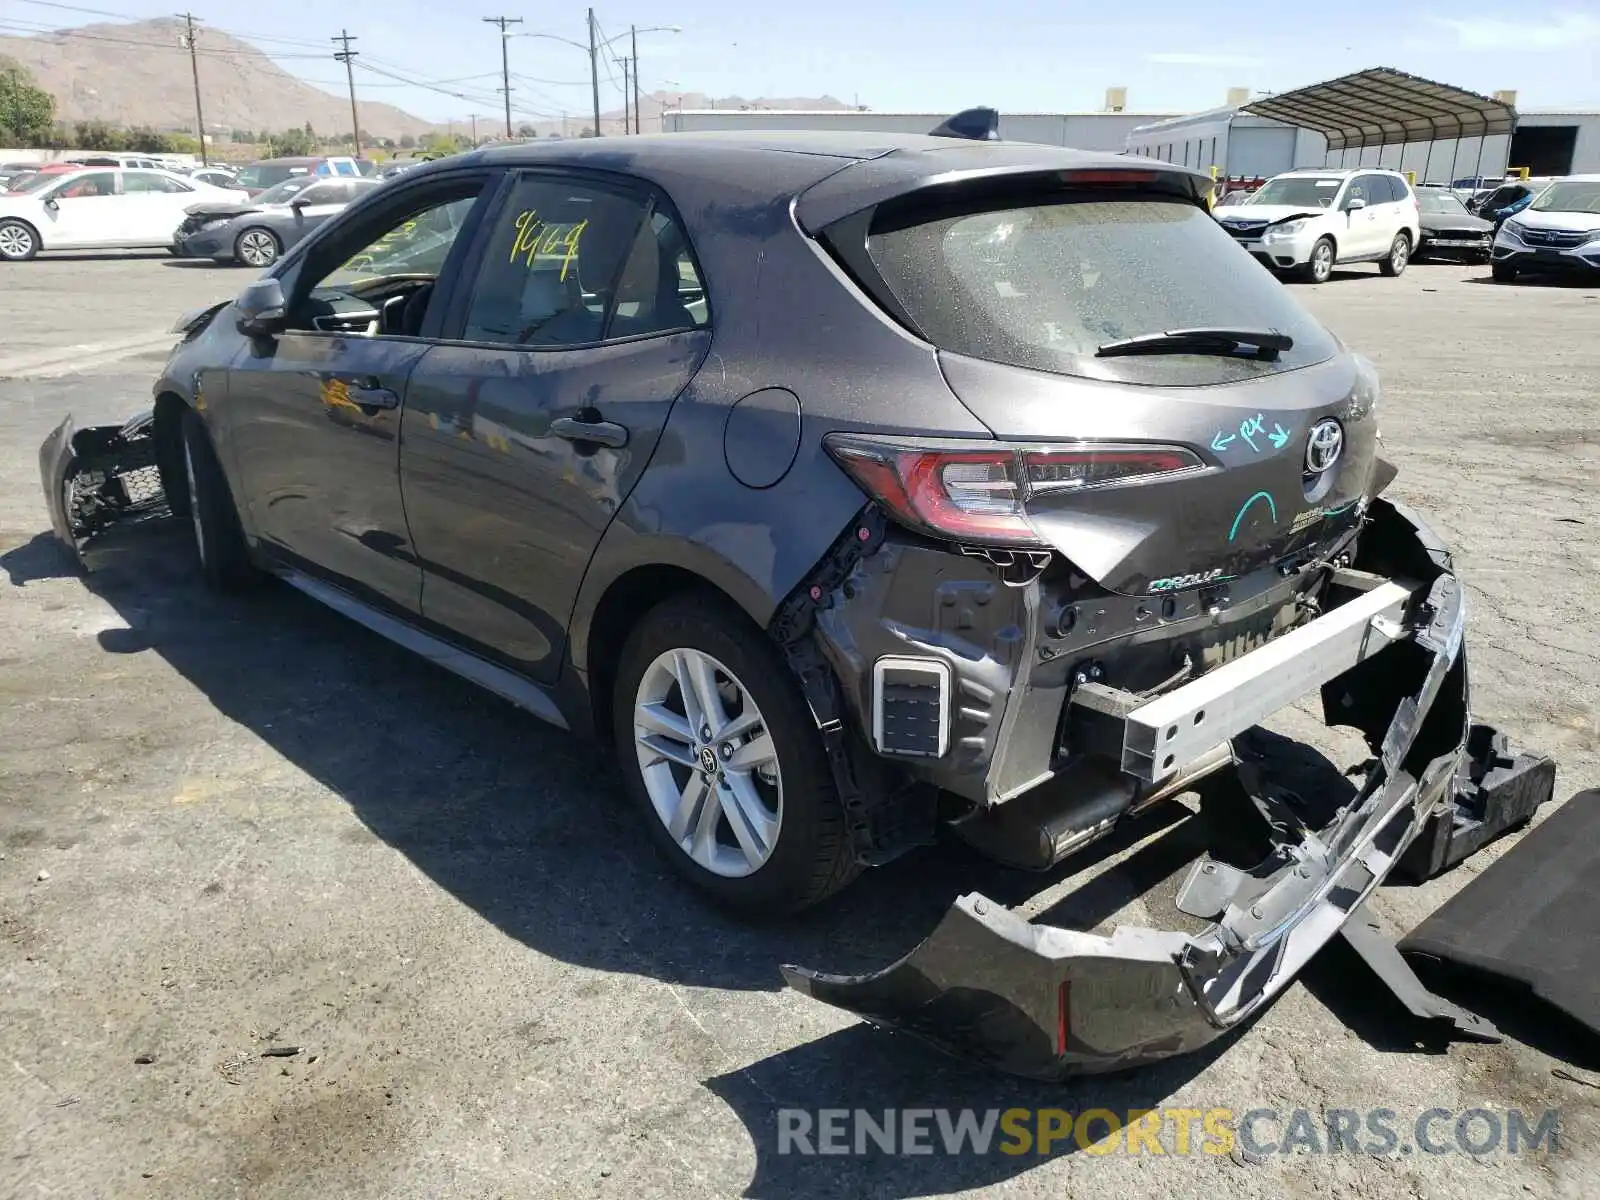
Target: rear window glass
1043,286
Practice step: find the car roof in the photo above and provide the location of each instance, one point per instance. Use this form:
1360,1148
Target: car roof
839,172
1325,172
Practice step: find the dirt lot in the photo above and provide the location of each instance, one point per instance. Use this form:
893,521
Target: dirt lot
227,826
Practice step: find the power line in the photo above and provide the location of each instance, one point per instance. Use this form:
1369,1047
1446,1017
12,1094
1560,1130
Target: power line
194,68
505,61
348,56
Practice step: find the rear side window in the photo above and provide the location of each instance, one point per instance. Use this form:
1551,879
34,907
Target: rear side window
550,274
1044,285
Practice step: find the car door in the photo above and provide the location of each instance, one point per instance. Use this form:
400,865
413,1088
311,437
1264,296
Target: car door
317,204
1395,207
527,427
153,205
315,411
85,211
1364,235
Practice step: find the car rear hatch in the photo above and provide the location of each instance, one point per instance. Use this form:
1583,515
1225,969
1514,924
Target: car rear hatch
1103,313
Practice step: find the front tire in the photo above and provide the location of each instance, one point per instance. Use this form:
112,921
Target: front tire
1503,272
1320,267
218,538
725,761
257,247
18,241
1399,256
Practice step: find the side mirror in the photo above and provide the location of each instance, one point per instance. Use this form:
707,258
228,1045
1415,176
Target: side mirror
298,203
1354,203
263,311
51,204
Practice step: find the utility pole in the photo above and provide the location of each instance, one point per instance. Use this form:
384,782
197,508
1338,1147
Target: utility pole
474,129
633,34
194,69
624,64
345,56
505,62
594,75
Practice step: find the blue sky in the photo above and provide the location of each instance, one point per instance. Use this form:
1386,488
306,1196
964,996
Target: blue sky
933,55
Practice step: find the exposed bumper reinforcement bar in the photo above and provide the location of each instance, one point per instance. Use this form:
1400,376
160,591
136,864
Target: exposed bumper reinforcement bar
1045,1002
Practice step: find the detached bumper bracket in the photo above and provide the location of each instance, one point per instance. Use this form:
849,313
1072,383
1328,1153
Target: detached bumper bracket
1363,934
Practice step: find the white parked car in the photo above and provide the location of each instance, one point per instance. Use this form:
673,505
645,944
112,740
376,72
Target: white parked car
1558,232
1306,221
98,209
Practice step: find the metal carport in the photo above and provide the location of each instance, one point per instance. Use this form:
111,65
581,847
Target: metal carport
1386,107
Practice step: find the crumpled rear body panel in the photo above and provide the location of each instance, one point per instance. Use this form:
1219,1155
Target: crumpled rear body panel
1046,1002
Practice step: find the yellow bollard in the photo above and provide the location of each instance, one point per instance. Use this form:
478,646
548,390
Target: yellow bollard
1211,197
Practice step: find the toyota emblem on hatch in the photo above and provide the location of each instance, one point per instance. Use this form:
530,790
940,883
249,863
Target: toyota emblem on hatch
1324,446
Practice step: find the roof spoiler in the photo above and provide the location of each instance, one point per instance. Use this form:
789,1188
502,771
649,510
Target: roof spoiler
974,124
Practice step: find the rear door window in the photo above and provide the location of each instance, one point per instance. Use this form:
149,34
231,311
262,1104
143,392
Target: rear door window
1042,285
549,276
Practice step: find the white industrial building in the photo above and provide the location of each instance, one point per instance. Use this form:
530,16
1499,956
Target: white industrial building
1371,118
1107,129
1546,141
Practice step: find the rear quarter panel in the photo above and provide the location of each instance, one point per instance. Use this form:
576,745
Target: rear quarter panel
783,316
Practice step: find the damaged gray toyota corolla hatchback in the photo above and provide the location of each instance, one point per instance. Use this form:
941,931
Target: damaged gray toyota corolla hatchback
851,485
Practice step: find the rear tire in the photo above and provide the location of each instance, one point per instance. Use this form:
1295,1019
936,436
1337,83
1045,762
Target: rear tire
791,847
19,241
219,543
1320,267
1399,256
1503,272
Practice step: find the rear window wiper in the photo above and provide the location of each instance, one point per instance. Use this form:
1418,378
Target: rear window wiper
1262,343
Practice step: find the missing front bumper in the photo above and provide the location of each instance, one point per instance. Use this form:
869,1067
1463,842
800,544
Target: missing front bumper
100,476
1045,1002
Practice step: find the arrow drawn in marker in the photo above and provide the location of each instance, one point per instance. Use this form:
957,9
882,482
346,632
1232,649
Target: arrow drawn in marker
1219,442
1279,436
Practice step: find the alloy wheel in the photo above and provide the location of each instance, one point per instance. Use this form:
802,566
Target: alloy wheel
15,241
708,762
1321,261
1399,253
257,248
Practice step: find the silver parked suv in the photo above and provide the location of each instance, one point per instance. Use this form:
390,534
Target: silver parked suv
1306,221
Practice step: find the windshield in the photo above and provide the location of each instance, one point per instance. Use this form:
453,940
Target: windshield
1441,202
286,191
264,175
35,182
1043,286
1572,196
1300,191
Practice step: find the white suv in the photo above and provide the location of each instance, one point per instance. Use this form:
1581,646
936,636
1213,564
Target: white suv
1559,231
1306,221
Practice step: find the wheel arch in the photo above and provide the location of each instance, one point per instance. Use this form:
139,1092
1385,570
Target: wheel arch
608,612
38,235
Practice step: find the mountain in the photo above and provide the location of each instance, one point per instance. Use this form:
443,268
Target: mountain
138,74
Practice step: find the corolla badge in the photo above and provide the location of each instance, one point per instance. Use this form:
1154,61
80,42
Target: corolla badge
1324,445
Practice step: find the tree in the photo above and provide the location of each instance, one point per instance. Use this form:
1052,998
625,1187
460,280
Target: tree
527,131
27,113
97,135
292,143
408,142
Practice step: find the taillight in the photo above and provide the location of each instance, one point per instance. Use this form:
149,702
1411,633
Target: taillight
979,493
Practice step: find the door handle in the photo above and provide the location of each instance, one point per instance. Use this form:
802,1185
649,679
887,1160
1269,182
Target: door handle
602,433
376,397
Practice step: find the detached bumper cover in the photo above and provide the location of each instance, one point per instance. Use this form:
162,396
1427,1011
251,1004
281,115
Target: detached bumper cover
100,476
1044,1002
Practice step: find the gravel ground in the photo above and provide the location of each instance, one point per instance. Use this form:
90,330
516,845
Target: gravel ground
229,826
